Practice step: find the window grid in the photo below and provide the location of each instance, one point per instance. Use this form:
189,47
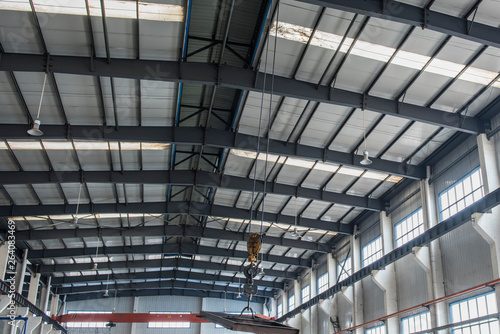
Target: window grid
291,303
416,323
343,274
322,283
169,324
280,310
376,330
475,307
87,324
409,228
461,194
306,292
372,251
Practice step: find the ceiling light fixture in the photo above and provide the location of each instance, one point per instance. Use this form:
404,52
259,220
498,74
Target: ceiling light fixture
35,130
239,288
366,160
106,293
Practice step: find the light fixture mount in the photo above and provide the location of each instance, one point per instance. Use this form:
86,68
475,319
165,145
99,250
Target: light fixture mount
366,160
35,130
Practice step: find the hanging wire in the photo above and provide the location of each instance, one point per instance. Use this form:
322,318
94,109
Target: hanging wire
78,201
364,129
41,97
269,116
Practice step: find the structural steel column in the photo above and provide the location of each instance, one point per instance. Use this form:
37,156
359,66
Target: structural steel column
386,278
439,314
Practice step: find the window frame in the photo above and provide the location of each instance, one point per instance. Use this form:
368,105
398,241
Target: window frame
322,287
291,305
469,325
347,272
77,325
162,324
308,295
381,251
417,212
280,305
468,175
373,330
428,319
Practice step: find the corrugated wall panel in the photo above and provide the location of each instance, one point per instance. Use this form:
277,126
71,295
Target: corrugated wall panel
344,313
412,204
373,300
411,281
466,259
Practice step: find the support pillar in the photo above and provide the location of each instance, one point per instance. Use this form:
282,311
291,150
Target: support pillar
54,304
386,278
439,313
487,224
21,273
357,288
4,259
136,310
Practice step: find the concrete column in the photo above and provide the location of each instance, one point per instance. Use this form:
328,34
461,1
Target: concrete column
313,311
386,278
297,320
487,224
135,309
357,288
21,272
439,312
4,258
33,325
44,299
54,304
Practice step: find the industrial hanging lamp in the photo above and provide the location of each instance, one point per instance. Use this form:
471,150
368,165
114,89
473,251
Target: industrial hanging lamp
35,130
106,293
366,159
96,254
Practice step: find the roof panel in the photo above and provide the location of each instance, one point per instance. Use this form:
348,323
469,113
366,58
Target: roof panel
18,31
11,111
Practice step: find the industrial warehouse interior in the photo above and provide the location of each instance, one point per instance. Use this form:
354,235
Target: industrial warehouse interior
263,166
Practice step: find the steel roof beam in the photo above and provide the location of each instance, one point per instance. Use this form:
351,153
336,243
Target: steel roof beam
186,178
162,263
214,138
172,284
417,16
165,249
238,78
182,208
163,274
188,231
163,292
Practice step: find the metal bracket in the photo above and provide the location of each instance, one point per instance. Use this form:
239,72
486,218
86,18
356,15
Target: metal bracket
48,63
363,102
425,18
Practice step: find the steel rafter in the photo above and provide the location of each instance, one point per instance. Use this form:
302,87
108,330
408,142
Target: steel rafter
159,285
164,274
416,16
195,178
165,249
161,263
214,138
187,231
163,292
181,208
239,78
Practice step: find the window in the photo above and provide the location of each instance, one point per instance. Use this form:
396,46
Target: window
475,307
376,330
87,324
344,269
280,310
409,228
169,324
306,292
322,283
291,303
416,323
461,194
372,251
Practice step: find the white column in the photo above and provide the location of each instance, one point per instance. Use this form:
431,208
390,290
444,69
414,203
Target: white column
487,224
21,273
386,278
357,288
44,299
33,322
54,304
439,314
313,311
4,258
135,310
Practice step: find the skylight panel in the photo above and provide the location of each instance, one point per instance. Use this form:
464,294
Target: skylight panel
382,53
114,8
